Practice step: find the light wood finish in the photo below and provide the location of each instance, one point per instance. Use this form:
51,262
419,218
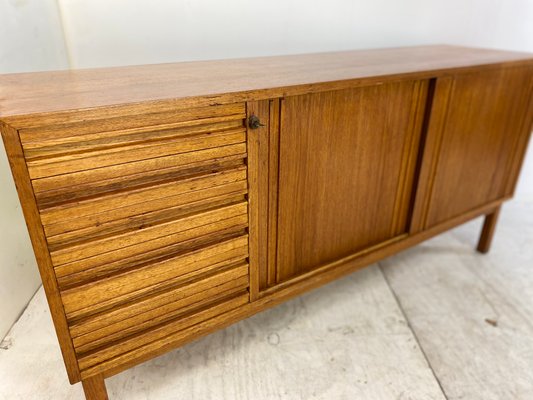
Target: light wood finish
346,169
228,81
31,214
258,180
484,113
487,233
94,388
143,222
263,163
159,222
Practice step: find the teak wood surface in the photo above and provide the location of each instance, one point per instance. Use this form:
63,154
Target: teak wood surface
159,214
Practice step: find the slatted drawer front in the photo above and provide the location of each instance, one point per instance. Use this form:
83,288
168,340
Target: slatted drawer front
146,221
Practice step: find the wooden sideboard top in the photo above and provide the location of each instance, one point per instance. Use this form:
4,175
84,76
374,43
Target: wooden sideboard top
211,82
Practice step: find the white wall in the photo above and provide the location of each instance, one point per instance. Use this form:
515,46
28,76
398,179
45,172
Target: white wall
119,32
122,32
31,39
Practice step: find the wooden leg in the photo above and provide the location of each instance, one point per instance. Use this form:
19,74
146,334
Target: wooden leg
489,226
94,388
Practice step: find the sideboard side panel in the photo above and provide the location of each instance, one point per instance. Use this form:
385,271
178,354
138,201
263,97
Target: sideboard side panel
525,138
40,248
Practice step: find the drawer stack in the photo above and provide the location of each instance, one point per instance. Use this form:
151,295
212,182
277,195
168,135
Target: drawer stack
146,222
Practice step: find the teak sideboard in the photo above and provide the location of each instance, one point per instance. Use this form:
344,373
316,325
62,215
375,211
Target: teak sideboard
167,201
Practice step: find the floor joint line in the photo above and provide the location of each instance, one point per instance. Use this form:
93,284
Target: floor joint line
408,322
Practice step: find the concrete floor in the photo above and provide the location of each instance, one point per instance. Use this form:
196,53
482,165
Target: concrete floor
438,321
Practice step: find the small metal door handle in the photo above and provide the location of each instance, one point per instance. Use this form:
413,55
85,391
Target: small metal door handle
254,122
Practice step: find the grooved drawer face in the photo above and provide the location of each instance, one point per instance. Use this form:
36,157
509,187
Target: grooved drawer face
146,223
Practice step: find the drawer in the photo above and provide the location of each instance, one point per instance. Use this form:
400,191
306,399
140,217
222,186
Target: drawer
146,221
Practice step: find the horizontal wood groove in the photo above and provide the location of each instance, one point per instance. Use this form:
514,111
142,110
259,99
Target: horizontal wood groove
115,242
98,210
125,137
232,259
147,220
105,174
122,156
132,283
66,195
161,307
157,335
115,335
207,282
134,123
157,254
127,257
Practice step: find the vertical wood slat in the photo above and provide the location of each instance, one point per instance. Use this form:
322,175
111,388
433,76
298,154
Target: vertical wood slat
257,142
40,248
433,140
405,192
273,169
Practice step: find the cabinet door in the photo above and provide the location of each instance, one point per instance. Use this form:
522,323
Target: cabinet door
347,161
477,136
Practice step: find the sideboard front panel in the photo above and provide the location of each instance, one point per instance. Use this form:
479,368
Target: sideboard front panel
346,169
146,224
165,202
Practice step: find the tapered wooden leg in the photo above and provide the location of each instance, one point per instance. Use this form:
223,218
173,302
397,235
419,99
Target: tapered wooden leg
94,388
487,233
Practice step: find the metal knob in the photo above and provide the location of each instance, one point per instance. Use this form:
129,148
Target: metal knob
254,122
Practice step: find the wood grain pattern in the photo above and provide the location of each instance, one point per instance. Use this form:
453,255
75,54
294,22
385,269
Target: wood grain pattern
228,81
258,179
97,159
38,239
526,130
434,120
136,242
189,293
345,162
94,388
105,130
273,191
263,156
480,132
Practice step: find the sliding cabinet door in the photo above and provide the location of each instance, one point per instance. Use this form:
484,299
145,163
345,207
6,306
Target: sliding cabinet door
478,132
347,161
